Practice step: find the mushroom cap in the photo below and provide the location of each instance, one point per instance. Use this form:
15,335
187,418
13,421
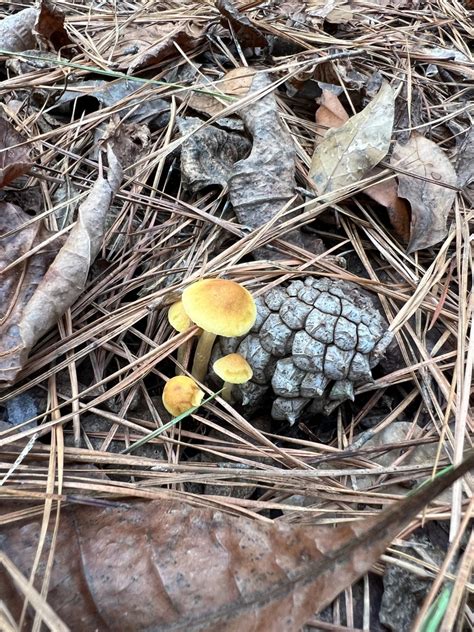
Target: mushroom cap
220,307
178,318
180,394
233,368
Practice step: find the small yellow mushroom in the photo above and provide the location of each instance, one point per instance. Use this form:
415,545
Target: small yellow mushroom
180,394
221,308
233,369
180,321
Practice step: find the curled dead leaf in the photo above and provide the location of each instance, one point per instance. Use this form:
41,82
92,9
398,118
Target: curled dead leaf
170,566
236,82
246,32
425,190
209,154
14,154
45,288
144,46
34,27
346,154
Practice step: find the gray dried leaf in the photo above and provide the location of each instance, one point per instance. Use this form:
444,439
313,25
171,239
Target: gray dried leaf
39,292
142,107
34,27
262,184
347,154
465,160
246,32
209,154
430,200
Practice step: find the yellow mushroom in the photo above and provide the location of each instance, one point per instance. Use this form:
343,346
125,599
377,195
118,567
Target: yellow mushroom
180,394
221,308
233,369
180,321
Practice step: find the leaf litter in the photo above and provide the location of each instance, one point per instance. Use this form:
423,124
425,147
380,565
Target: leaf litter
211,113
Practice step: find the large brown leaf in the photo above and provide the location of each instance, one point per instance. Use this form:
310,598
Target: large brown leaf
426,172
30,314
168,566
14,155
246,32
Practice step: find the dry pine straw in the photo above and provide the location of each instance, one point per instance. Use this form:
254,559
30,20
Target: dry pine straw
164,241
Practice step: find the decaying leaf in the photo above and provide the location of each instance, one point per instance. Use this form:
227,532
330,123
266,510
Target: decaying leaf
209,154
170,566
430,200
31,27
235,83
347,154
14,154
247,34
263,183
332,114
144,46
142,107
30,314
465,160
333,11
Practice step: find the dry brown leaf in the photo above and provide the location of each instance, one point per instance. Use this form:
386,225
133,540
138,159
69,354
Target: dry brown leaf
465,160
235,83
26,29
430,200
209,154
169,566
30,314
346,154
247,34
386,194
332,114
14,160
144,46
333,11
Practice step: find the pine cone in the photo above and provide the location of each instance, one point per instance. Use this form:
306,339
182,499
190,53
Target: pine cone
313,341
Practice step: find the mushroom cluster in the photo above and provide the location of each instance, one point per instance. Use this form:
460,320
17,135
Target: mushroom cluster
220,308
312,343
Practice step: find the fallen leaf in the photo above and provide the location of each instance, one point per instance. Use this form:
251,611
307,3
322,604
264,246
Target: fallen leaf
246,33
209,154
49,27
236,83
347,153
42,295
34,27
170,566
14,159
16,31
142,106
264,182
144,46
333,11
429,199
332,114
465,159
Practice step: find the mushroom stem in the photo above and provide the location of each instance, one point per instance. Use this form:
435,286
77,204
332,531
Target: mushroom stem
202,355
227,392
183,354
